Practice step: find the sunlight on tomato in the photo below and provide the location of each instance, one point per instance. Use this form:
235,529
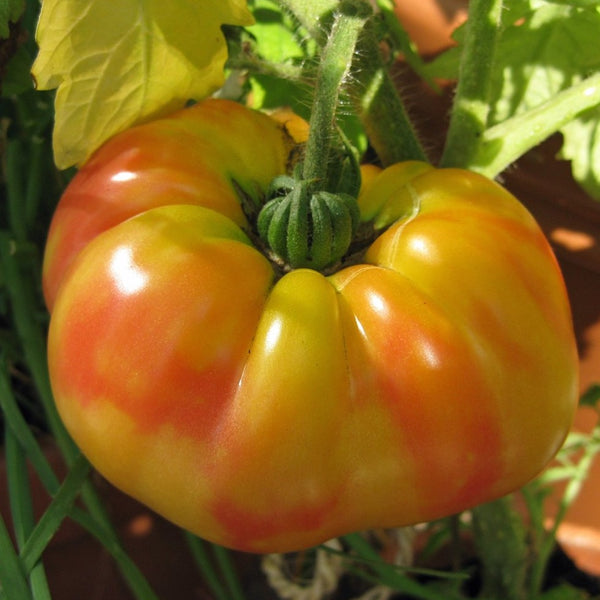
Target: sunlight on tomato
268,411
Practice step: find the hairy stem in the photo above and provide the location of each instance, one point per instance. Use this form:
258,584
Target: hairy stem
313,15
470,109
335,64
380,107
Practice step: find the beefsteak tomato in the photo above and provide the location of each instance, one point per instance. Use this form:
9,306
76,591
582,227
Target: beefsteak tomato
268,411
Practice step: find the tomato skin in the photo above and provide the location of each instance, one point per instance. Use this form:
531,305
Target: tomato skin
190,157
272,414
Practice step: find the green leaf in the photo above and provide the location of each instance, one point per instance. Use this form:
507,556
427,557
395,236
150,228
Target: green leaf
579,3
117,67
278,39
545,48
269,92
446,65
277,36
10,11
591,397
553,48
582,147
16,78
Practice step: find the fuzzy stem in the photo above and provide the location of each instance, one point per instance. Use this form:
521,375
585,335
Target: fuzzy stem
370,86
335,64
471,106
313,15
500,542
379,106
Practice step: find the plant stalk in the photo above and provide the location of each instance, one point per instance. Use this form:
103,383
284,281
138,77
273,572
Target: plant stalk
313,15
471,105
499,535
337,57
21,504
379,105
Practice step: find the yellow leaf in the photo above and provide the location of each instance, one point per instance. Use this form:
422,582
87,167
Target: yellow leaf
121,62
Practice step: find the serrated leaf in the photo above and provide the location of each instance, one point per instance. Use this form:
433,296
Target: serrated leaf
118,64
555,47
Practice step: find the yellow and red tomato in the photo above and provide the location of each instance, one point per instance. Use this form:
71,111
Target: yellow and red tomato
270,412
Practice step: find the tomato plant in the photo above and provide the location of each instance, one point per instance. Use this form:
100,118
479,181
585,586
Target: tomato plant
277,330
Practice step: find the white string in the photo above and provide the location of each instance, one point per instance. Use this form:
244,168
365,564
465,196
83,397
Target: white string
329,568
327,572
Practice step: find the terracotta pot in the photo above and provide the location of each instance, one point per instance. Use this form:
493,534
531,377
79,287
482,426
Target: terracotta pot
431,22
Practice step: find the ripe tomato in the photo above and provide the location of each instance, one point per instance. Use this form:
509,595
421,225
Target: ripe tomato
270,412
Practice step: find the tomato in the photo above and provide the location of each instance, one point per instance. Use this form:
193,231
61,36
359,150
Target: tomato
268,410
202,156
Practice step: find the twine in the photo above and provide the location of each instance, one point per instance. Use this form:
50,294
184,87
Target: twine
329,568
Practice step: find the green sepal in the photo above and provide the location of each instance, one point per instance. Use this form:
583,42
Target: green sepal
345,216
308,229
298,244
344,175
322,231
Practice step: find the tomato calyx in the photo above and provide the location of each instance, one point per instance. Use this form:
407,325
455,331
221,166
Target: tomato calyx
333,236
309,220
307,228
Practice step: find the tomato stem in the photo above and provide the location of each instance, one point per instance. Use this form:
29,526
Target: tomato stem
312,15
310,219
368,82
379,105
499,536
470,109
337,57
